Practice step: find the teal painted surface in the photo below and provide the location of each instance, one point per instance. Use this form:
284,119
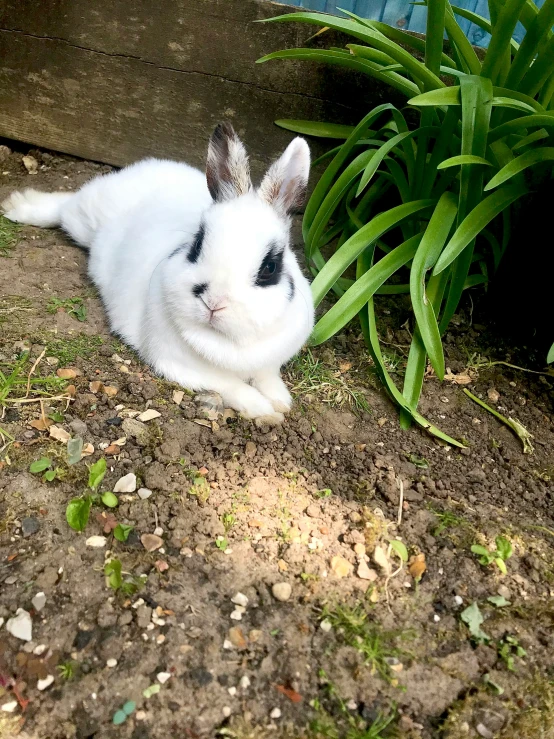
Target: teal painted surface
403,14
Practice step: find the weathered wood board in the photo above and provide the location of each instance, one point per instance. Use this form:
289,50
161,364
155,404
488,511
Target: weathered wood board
116,81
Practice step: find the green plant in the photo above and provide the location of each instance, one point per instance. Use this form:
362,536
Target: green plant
421,203
45,465
8,236
77,512
72,306
499,556
122,531
67,669
508,649
113,571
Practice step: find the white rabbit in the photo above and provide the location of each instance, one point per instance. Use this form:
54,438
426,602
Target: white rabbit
196,274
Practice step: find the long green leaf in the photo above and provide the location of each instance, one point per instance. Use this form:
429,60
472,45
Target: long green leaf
530,121
436,10
502,32
461,43
475,222
400,55
531,139
481,22
349,251
315,128
357,296
540,70
463,159
517,165
538,30
426,256
550,357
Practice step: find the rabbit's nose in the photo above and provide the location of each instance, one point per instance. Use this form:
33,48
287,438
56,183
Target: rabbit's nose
214,305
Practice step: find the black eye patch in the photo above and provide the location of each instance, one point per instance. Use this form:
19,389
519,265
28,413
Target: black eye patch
271,267
196,247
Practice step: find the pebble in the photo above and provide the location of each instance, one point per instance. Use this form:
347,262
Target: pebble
39,649
178,396
30,164
366,573
341,566
326,625
228,644
484,732
232,691
226,711
21,625
144,493
140,715
137,430
250,449
236,615
111,662
9,707
240,599
275,713
158,531
126,484
149,415
39,601
30,525
504,592
281,591
96,541
244,682
458,600
78,427
43,684
163,677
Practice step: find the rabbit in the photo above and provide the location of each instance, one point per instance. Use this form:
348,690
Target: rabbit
196,272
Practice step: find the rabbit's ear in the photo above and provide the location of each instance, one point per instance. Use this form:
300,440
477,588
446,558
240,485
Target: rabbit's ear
284,186
227,168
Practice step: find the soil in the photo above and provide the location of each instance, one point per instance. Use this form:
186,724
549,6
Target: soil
359,636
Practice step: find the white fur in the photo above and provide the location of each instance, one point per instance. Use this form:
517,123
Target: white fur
133,221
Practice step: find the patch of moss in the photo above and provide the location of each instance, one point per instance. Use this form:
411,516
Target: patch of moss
9,236
536,720
67,350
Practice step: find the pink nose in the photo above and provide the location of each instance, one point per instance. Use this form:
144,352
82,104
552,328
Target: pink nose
214,306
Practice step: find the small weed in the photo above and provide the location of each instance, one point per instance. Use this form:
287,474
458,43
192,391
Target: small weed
72,306
326,493
375,645
473,618
67,669
499,556
15,379
420,462
508,649
222,543
309,375
129,585
122,531
228,520
8,236
44,464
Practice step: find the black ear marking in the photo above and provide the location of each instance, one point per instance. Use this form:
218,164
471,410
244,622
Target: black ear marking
271,268
196,247
198,290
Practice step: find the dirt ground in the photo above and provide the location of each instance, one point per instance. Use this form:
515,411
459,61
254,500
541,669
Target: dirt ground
272,602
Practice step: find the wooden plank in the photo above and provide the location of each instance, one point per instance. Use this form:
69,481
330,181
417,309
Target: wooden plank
117,81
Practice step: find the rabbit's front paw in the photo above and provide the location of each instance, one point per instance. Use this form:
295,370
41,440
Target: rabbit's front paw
252,405
275,390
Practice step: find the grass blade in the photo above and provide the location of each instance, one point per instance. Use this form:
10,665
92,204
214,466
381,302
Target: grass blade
499,45
460,41
315,128
463,159
539,29
517,165
530,121
519,430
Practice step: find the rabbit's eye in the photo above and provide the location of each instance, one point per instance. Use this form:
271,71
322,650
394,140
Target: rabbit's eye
270,269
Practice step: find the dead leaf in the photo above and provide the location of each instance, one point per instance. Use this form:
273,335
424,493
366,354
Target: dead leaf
60,434
380,558
112,450
107,520
237,638
459,379
151,542
71,390
291,694
203,422
417,566
178,396
30,164
87,450
161,566
41,424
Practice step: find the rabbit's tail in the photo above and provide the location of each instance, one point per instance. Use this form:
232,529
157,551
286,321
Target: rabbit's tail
36,208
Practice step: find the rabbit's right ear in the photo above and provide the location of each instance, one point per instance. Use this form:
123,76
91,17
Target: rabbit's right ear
227,168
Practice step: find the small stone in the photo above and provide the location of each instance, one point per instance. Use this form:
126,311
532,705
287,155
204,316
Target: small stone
43,684
39,649
30,525
110,390
250,449
126,484
112,450
151,542
149,415
9,707
458,601
178,396
352,705
95,386
380,558
359,549
144,493
226,711
66,373
96,541
281,591
493,395
275,713
232,691
484,732
21,625
244,682
504,592
136,430
140,715
236,615
365,572
236,638
326,625
111,662
158,531
58,433
228,644
240,599
163,677
341,566
30,164
39,601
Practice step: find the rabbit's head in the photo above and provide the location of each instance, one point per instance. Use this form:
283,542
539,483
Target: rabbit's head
238,276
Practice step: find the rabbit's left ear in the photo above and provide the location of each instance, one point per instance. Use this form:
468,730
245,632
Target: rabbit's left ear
284,186
227,168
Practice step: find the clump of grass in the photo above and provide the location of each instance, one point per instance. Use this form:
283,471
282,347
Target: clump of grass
536,720
16,382
309,375
68,350
8,236
74,307
373,643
